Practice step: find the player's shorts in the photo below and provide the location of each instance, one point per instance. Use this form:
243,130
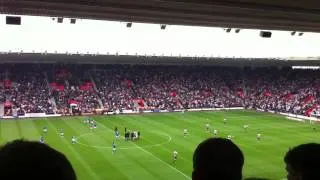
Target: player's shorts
175,157
114,149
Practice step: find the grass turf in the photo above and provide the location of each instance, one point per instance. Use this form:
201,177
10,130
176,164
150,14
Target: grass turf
151,156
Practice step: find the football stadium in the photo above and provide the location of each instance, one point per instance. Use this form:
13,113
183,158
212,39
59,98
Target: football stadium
119,90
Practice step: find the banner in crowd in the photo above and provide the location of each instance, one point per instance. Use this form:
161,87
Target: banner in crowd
57,86
267,93
174,94
88,86
139,103
72,101
308,99
7,104
288,96
128,83
240,92
310,110
7,83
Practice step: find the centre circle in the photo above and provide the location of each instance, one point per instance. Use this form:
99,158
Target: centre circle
104,139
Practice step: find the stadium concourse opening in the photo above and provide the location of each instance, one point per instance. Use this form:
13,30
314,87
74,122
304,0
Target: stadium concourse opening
120,119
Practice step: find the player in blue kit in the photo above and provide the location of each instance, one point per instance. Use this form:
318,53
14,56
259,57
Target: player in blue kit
42,140
114,148
94,124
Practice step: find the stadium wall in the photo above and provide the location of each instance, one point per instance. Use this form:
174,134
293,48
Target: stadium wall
33,115
288,116
166,111
293,116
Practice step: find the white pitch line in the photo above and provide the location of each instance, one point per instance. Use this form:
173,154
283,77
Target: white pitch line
107,147
175,169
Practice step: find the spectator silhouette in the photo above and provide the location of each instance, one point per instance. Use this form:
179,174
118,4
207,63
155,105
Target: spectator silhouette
217,158
302,162
21,159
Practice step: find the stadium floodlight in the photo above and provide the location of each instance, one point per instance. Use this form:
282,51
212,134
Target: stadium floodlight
293,33
13,20
301,34
129,24
60,20
163,26
237,31
228,30
72,21
265,34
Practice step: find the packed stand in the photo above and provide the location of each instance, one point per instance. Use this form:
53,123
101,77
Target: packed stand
58,88
70,86
115,88
25,91
283,90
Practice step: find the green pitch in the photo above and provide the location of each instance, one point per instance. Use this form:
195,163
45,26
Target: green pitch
150,158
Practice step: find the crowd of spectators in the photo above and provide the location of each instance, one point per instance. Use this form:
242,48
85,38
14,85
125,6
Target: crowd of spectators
24,90
132,87
114,91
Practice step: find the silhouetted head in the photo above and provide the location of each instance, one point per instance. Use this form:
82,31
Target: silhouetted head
217,158
21,159
303,162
